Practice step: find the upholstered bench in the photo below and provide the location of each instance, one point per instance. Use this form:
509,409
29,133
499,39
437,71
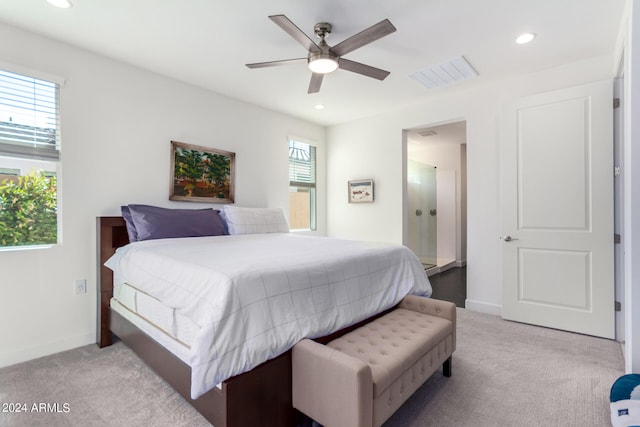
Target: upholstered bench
363,377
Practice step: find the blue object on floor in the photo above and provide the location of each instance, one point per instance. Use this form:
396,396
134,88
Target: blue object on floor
625,401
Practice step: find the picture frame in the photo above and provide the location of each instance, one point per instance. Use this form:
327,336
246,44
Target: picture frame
201,174
361,191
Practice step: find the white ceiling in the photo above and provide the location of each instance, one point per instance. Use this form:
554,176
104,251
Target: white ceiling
208,42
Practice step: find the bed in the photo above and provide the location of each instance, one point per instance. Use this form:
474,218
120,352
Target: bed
240,384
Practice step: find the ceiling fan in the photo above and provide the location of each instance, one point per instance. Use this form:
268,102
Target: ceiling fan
322,58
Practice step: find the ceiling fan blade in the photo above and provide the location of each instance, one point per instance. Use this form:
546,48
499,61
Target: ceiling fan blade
315,83
295,32
365,70
276,63
364,37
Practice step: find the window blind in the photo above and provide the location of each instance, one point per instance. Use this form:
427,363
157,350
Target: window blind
302,164
29,117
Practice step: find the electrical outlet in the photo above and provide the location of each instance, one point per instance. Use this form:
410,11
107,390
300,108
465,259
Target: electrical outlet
81,286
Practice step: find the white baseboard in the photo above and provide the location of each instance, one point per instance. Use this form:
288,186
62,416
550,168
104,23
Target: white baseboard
483,307
461,263
26,354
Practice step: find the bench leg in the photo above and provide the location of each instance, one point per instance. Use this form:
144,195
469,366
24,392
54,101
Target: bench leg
446,367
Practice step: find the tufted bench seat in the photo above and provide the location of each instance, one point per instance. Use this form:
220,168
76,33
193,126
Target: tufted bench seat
363,377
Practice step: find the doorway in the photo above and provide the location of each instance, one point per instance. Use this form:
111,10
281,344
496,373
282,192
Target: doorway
434,225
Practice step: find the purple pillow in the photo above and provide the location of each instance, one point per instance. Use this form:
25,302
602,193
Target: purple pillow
153,222
131,228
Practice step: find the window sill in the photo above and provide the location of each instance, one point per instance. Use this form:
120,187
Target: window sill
25,248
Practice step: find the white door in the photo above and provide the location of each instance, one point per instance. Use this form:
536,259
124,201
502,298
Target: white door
557,210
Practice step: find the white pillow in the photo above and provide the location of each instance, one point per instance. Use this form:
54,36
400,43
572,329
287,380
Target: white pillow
255,220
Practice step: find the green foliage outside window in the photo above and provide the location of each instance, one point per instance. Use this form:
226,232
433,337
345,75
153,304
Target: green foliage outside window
28,210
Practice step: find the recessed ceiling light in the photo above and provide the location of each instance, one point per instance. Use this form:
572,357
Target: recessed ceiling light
319,107
525,38
63,4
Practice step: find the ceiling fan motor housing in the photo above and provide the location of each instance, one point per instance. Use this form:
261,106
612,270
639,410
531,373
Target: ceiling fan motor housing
328,59
322,29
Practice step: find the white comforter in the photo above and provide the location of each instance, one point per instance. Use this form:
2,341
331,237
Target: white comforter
255,296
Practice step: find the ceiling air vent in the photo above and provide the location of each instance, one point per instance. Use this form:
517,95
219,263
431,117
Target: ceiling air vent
445,74
427,132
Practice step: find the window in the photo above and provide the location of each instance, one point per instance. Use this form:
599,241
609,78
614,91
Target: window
302,186
29,155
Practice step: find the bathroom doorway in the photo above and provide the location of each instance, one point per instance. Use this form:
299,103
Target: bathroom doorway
434,197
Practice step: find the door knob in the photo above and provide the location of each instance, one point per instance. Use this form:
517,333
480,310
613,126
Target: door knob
418,212
508,238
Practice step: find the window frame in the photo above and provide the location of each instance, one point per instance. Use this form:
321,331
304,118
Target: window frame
23,156
310,186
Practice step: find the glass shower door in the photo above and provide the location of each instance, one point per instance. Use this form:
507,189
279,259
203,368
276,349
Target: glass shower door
423,222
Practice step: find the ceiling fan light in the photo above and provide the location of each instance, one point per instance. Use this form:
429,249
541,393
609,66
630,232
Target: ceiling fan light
323,65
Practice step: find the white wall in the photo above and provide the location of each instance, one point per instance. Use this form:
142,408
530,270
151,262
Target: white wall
372,148
117,122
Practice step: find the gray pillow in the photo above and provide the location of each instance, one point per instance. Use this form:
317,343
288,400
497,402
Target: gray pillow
153,222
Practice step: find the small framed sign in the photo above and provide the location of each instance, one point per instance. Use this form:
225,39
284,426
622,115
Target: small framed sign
361,191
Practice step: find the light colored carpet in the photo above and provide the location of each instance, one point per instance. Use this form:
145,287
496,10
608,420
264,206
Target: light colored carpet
504,374
511,374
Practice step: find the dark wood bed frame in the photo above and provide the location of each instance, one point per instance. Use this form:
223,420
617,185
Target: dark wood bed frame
261,396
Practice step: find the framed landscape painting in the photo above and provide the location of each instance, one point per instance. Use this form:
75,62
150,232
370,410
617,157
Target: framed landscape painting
361,191
201,174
